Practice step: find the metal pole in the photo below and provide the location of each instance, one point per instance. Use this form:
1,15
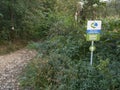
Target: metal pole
91,57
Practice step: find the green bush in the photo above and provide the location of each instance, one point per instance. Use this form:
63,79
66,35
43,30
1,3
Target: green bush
59,72
65,64
31,19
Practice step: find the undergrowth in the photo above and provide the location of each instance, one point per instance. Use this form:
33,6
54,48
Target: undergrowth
8,46
63,60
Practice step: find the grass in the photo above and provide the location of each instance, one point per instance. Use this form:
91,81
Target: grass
8,47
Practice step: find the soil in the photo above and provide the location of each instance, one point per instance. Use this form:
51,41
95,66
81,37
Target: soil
11,65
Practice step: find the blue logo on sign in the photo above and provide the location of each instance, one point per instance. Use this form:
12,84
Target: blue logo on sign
94,25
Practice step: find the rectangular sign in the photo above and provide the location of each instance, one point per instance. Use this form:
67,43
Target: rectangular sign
94,27
93,37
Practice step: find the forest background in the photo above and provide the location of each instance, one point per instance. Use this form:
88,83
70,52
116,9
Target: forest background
61,42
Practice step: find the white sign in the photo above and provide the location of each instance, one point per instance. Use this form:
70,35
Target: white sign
94,27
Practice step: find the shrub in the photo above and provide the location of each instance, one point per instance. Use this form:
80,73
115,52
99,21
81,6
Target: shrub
65,64
59,72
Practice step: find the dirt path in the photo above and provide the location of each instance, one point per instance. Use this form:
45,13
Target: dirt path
10,67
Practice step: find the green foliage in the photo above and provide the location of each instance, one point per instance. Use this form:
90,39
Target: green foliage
65,54
38,18
31,19
62,73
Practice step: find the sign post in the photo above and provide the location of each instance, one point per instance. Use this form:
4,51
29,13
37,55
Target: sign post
93,34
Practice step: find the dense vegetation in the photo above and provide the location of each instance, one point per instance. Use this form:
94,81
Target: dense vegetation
22,21
63,59
25,19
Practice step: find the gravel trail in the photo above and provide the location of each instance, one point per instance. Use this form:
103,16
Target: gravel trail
11,66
